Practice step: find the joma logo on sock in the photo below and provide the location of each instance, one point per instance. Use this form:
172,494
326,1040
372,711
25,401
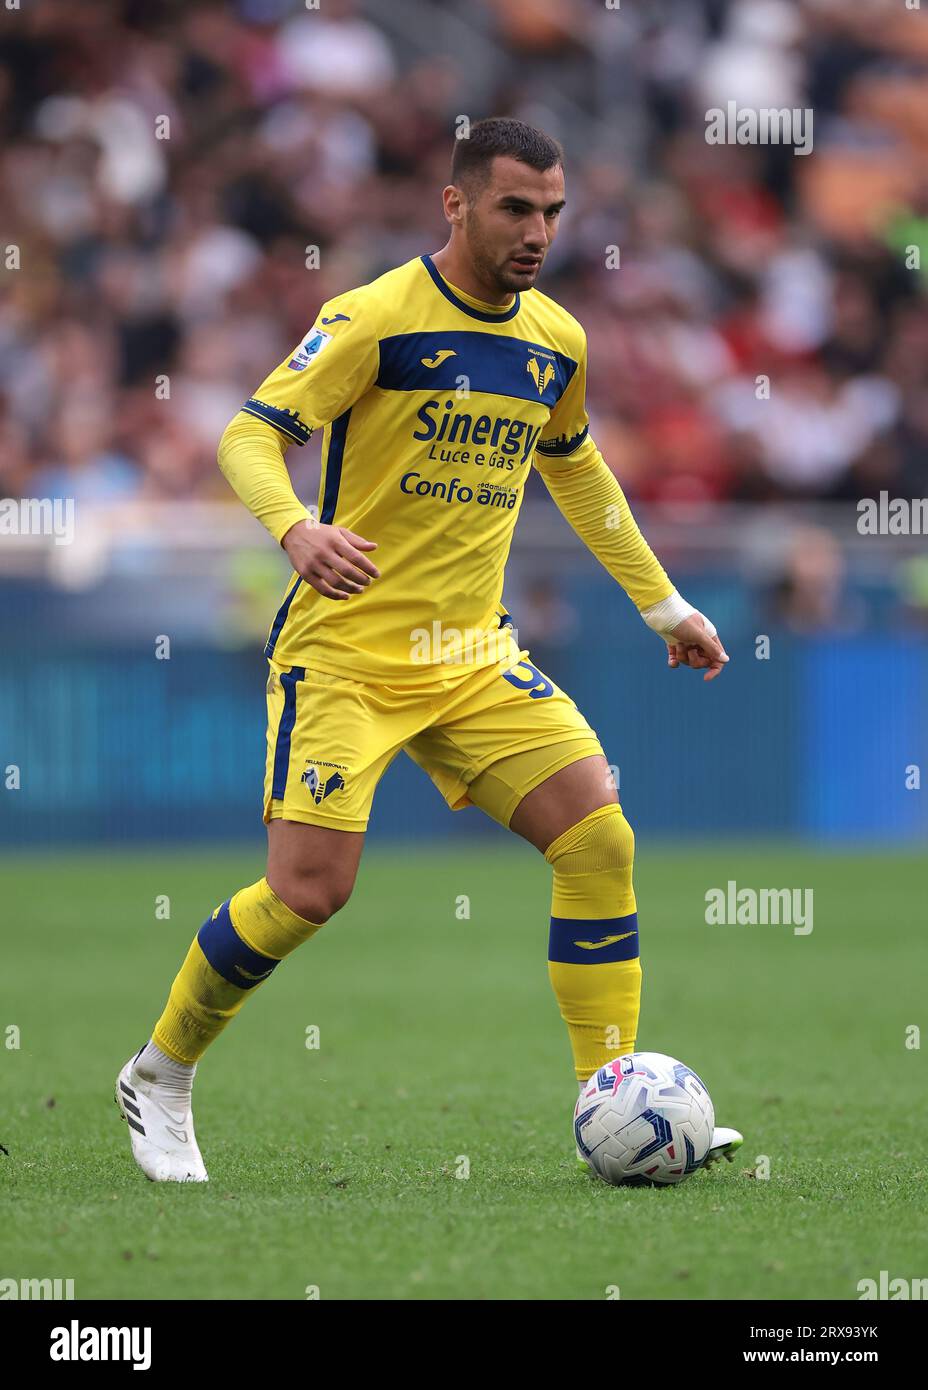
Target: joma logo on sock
76,1343
36,1288
605,941
740,907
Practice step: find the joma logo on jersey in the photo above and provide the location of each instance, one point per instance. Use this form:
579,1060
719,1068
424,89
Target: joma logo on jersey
321,787
513,437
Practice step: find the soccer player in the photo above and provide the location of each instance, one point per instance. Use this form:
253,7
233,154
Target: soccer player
439,386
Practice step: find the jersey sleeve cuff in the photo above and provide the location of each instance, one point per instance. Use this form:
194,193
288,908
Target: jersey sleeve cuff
287,421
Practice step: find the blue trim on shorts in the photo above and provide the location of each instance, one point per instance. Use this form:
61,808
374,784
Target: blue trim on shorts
229,955
284,730
594,941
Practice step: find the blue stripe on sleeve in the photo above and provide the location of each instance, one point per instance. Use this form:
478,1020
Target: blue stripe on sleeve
287,421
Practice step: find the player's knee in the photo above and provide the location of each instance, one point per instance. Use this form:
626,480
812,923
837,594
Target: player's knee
610,839
620,838
600,842
315,896
593,868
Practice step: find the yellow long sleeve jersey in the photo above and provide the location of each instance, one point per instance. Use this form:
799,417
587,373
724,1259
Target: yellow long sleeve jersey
435,406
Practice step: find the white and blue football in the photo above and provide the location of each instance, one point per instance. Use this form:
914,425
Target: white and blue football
644,1119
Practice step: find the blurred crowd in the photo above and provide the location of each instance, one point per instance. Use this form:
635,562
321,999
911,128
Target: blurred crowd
757,319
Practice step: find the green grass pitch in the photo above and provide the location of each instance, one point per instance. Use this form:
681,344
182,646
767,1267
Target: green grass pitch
441,1048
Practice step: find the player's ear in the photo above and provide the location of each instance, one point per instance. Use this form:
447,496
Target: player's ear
453,201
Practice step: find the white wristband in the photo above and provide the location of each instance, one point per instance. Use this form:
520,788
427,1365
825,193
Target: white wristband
663,617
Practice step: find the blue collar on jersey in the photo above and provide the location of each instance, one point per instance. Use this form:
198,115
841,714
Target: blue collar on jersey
448,292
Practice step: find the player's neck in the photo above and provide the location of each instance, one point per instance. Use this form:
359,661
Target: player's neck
458,270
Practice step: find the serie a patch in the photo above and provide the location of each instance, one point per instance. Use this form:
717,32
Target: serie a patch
310,347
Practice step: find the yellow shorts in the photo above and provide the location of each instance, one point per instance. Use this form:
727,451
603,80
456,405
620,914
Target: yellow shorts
330,740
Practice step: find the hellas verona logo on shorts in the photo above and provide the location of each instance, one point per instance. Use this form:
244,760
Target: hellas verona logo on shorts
308,349
320,785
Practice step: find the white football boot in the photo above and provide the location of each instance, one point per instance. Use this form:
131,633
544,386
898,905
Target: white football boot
581,1161
160,1127
725,1143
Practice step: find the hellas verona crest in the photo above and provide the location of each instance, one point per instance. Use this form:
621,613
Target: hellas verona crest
320,787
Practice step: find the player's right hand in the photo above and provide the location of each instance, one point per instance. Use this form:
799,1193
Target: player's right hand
330,558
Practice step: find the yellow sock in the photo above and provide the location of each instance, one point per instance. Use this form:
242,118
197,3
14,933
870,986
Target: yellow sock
593,960
234,951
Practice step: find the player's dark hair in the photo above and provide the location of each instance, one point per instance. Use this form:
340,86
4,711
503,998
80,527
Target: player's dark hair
499,135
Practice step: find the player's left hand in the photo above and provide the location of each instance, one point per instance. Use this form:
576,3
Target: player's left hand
694,642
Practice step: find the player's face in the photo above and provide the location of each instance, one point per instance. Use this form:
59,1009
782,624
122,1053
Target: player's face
512,222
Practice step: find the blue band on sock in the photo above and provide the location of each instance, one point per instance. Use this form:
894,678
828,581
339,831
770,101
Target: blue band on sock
228,954
594,941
